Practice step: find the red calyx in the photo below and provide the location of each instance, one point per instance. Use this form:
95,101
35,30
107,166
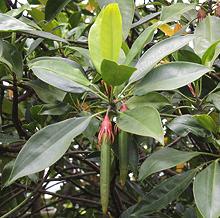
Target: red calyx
124,107
106,128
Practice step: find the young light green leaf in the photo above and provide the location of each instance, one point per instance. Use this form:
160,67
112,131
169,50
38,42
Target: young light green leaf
51,141
157,52
105,36
127,9
211,54
170,76
164,159
144,121
61,73
175,11
206,122
206,191
115,74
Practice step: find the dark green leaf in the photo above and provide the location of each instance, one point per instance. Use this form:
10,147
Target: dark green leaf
10,56
157,52
51,141
164,159
204,39
60,73
45,92
206,191
153,99
163,194
170,76
144,121
174,11
115,74
53,7
186,123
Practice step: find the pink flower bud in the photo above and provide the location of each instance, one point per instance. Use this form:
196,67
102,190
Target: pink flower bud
106,128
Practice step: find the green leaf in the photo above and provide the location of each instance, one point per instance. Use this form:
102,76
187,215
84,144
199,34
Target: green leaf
115,74
157,52
170,76
163,159
187,56
163,194
145,19
186,123
61,73
175,11
206,122
127,9
143,39
144,121
206,191
45,35
105,36
211,54
51,141
215,99
153,99
53,7
207,32
16,12
11,24
10,56
45,92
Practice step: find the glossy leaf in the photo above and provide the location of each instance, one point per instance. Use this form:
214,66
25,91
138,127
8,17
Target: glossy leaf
163,159
174,11
170,76
115,74
153,99
206,191
105,36
9,24
45,92
163,194
204,39
157,52
11,57
206,122
185,124
139,121
127,9
145,19
34,155
211,54
60,73
143,39
215,99
53,7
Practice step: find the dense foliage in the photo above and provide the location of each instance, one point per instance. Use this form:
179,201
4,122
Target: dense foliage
109,108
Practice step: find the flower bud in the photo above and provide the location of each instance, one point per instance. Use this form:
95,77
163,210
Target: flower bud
201,14
106,129
217,10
